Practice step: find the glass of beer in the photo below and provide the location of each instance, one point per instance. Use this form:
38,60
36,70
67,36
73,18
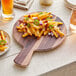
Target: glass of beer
73,21
7,9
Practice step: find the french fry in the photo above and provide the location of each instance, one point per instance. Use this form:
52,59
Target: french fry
36,27
20,30
45,33
3,48
32,30
21,25
25,34
0,38
54,23
55,33
36,33
28,31
18,27
41,33
30,20
59,23
2,35
25,15
51,16
60,33
43,16
34,15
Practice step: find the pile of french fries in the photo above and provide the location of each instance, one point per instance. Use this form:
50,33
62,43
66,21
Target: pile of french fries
3,41
38,24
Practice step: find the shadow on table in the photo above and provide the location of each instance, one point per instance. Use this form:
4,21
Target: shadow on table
68,70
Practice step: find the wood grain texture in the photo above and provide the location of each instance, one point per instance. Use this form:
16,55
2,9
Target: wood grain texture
31,44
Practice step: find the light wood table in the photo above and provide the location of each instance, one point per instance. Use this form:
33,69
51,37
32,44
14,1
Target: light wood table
41,62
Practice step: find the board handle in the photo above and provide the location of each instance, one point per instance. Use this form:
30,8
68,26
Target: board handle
24,57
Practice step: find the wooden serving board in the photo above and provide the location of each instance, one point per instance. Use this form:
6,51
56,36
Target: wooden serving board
31,44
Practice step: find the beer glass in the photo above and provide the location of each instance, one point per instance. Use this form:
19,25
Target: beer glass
7,9
72,5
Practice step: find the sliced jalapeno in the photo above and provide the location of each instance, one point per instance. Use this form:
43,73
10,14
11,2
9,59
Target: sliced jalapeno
2,42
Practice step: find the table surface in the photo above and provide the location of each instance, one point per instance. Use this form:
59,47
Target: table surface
68,70
45,61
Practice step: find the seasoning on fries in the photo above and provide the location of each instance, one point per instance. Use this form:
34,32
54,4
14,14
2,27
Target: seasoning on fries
3,41
39,24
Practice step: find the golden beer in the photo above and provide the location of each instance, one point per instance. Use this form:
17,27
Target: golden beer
7,8
73,21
